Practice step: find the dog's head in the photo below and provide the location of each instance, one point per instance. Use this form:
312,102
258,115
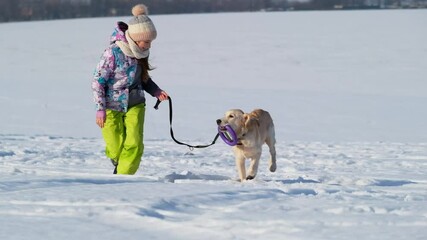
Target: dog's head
239,121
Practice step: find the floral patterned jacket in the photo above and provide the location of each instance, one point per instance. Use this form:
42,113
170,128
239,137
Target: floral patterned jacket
114,74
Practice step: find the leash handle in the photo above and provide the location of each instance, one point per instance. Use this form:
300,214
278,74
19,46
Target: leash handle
171,130
157,104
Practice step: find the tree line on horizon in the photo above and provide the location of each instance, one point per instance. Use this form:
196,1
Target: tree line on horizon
27,10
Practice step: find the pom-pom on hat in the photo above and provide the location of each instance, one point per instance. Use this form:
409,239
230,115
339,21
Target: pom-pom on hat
141,28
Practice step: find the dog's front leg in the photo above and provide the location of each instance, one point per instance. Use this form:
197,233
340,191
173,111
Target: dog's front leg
253,167
240,164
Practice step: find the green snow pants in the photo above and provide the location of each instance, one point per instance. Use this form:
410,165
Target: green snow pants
123,134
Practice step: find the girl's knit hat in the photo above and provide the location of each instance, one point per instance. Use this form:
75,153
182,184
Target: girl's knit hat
141,28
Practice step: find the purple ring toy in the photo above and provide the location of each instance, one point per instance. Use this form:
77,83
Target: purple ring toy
228,135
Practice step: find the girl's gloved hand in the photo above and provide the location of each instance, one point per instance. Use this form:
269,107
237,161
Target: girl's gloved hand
100,118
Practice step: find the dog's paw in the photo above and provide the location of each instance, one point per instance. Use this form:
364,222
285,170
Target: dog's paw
250,177
273,167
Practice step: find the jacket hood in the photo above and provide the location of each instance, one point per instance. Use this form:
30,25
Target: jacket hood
119,33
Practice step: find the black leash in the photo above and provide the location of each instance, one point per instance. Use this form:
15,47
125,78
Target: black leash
171,131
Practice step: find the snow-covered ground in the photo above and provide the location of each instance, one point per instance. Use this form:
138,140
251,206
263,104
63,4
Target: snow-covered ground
347,92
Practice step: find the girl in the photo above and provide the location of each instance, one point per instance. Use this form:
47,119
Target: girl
120,80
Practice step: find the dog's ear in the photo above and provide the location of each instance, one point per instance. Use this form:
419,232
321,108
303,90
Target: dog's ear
250,121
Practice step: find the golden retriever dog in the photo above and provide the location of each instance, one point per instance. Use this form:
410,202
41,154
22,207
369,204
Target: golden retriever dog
252,130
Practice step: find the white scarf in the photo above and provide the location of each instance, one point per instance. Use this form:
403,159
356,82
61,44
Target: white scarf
131,49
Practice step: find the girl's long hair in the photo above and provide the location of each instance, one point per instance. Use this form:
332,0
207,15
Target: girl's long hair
143,62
